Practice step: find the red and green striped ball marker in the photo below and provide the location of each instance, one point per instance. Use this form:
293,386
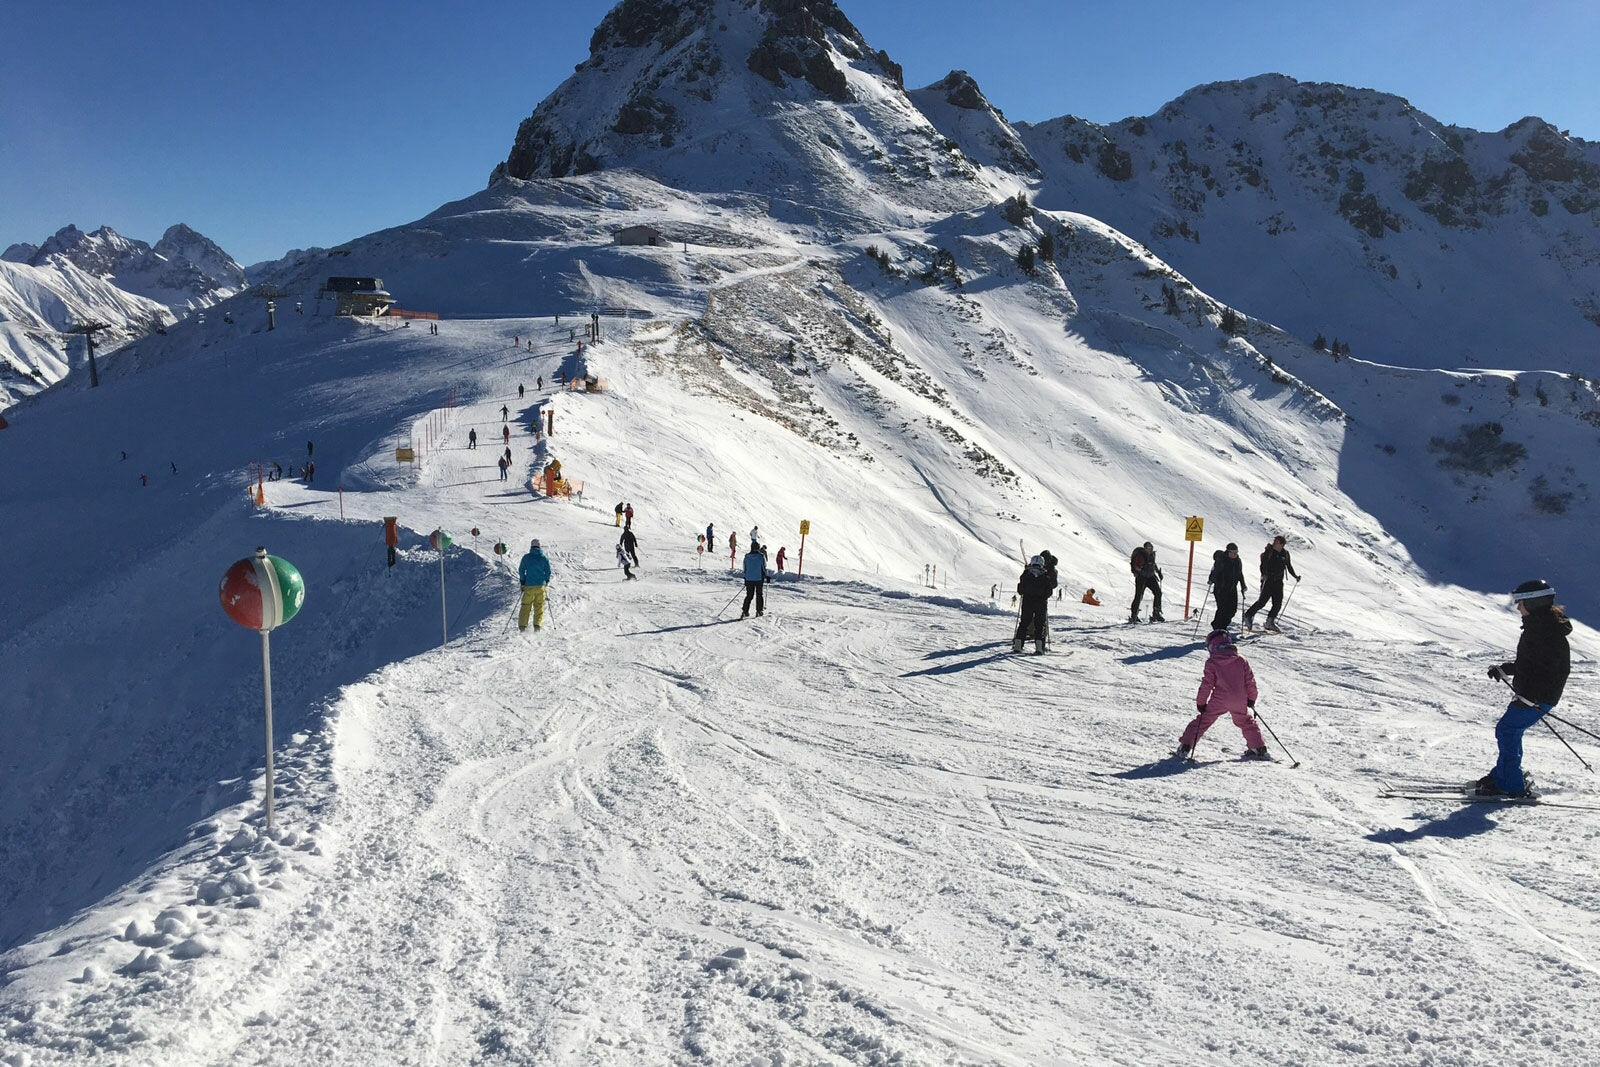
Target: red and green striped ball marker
262,592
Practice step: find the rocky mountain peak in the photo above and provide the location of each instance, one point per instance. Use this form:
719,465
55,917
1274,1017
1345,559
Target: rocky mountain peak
735,95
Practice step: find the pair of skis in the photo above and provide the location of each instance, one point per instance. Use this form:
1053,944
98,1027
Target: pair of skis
1466,793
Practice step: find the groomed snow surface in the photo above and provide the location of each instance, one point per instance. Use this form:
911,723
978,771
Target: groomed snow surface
854,830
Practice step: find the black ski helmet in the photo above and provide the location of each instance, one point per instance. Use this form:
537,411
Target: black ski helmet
1537,593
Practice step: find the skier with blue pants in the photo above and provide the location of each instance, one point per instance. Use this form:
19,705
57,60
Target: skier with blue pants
1537,676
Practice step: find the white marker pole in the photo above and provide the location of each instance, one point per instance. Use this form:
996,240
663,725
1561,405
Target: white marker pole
444,617
266,674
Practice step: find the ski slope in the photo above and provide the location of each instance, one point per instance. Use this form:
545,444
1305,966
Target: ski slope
855,830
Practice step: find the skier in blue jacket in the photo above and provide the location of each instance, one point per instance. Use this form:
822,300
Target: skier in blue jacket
755,577
535,575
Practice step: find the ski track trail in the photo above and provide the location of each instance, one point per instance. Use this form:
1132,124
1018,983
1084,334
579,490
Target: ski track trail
858,830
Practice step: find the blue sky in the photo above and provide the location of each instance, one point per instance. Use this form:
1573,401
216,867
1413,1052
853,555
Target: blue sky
275,126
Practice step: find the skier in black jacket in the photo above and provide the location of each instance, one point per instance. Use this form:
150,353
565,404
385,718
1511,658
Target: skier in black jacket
1146,575
1274,562
1227,582
1537,676
1035,586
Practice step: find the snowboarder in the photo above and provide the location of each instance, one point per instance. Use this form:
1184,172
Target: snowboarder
622,560
630,543
1090,598
534,573
541,382
1228,685
711,537
472,438
1274,562
619,513
1146,575
782,551
1227,583
1035,587
1537,677
755,577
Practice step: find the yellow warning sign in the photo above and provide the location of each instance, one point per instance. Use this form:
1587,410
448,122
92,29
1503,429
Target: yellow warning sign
805,527
404,455
1194,528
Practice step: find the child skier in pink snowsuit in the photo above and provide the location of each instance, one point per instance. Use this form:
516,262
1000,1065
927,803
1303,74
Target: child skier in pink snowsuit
1229,685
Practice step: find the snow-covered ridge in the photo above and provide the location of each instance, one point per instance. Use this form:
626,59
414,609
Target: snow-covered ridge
76,278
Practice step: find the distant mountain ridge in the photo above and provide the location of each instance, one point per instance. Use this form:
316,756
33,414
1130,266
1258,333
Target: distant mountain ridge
1349,212
76,277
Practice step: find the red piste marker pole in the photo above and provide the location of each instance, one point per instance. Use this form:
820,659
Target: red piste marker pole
1194,528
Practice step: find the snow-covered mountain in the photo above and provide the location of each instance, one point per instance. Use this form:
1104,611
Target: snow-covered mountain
75,278
853,829
1350,214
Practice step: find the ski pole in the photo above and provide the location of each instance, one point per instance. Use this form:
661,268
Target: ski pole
516,605
1281,745
1575,726
1290,597
729,604
1545,719
1547,716
1199,614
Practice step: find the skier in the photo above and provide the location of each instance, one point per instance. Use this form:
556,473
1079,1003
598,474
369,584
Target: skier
308,449
1227,572
782,551
627,516
505,413
541,382
1544,658
311,471
1274,562
472,438
630,543
711,538
534,572
503,464
755,577
519,390
505,434
622,559
755,535
1035,587
619,513
1228,685
1146,575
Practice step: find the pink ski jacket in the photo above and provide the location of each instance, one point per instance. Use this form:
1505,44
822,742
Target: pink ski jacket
1228,683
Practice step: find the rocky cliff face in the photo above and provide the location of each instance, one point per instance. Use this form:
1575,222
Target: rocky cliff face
779,97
